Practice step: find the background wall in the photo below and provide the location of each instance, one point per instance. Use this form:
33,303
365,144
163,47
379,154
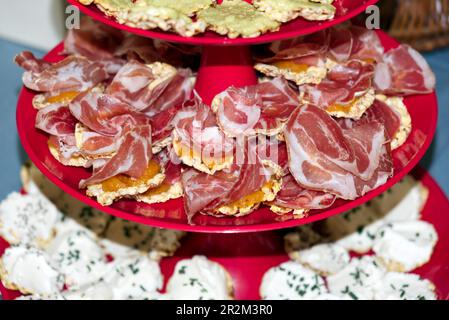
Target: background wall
37,23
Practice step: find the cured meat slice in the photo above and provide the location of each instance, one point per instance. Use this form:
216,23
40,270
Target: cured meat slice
355,43
152,88
198,141
64,149
201,189
56,120
97,42
379,112
294,197
73,74
132,157
140,85
324,157
273,153
176,93
93,40
105,114
263,108
93,145
235,191
346,92
404,71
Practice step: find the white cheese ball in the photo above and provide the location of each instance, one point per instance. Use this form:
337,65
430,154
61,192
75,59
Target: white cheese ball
199,279
405,246
404,286
30,271
291,281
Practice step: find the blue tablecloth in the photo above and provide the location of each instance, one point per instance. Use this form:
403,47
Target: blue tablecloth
12,154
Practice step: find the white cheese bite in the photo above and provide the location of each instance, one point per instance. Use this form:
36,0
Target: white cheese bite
27,219
134,278
357,280
325,259
405,246
199,279
31,271
36,297
404,286
79,257
291,281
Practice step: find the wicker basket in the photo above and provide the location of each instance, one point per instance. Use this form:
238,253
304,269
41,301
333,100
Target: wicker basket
424,24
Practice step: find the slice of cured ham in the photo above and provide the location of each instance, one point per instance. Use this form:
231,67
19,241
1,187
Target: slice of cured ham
198,141
355,43
105,114
404,71
381,113
151,88
56,120
132,157
294,197
263,108
201,189
325,157
235,191
93,40
346,91
73,74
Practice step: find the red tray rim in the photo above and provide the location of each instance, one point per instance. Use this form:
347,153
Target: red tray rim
217,40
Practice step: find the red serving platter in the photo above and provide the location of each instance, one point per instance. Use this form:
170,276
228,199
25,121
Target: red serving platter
423,110
248,256
291,29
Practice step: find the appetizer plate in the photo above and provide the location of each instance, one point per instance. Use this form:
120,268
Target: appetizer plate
291,29
248,256
423,110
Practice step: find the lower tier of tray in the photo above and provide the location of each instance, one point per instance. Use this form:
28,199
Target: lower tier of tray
248,256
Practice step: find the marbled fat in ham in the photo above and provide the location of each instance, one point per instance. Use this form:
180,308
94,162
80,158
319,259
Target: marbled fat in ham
404,71
262,108
325,157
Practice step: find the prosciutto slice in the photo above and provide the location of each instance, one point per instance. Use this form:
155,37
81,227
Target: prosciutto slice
196,129
293,196
341,85
201,189
132,157
324,157
97,42
205,193
172,166
137,85
105,114
262,108
176,93
93,40
56,121
73,74
404,71
380,112
355,43
93,144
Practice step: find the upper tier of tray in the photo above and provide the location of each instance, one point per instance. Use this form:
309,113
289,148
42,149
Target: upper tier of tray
422,108
291,29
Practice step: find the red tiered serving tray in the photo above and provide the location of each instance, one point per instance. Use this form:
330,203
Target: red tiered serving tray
248,256
422,108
